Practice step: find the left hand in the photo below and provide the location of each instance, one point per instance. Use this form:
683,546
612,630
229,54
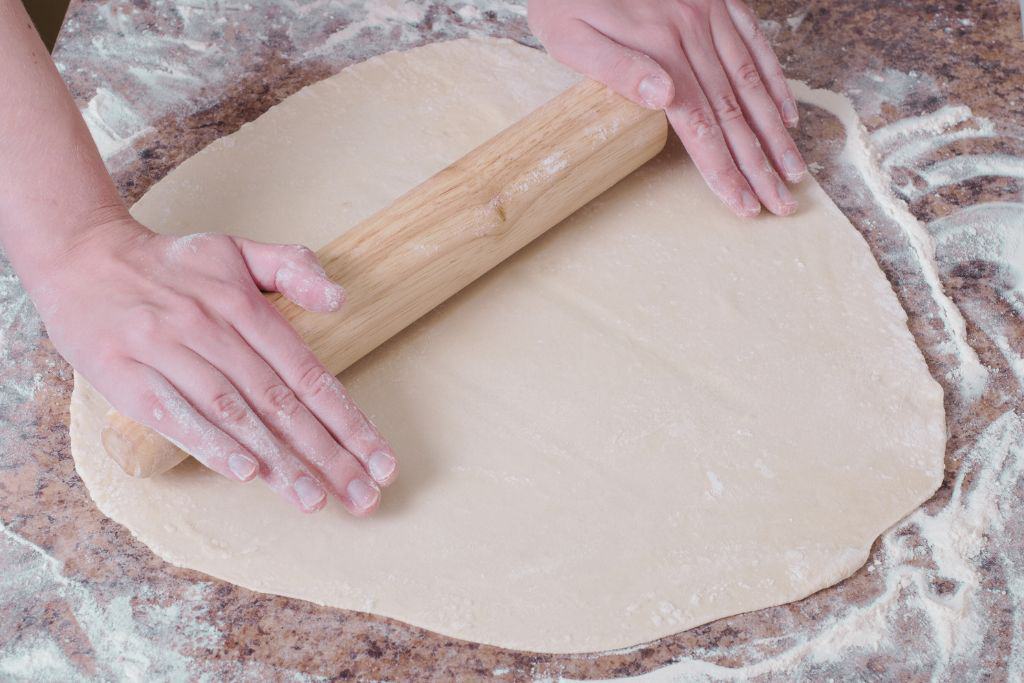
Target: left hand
708,65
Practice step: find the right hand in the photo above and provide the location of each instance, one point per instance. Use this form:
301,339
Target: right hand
709,66
175,333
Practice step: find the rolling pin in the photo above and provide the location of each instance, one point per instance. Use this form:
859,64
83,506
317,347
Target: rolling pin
405,260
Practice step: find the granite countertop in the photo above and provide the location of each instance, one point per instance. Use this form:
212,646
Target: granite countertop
938,85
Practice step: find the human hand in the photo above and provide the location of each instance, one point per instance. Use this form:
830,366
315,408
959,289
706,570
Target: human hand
175,333
707,63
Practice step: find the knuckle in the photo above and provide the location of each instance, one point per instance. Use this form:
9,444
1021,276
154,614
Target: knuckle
151,407
192,312
727,108
302,256
282,399
146,324
700,123
620,66
313,379
218,242
690,13
748,76
664,41
229,408
242,301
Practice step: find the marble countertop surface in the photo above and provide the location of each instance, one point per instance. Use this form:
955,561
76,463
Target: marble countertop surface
939,87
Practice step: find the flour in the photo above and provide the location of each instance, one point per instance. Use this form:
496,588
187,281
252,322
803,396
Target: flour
20,326
136,636
174,60
163,66
961,168
794,21
860,154
122,638
112,122
886,87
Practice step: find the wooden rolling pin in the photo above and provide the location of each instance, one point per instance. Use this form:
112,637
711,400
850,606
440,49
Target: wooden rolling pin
403,261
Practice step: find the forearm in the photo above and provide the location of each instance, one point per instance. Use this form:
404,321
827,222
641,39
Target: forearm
54,188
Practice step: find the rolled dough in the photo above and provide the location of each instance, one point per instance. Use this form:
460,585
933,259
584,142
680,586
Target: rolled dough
656,415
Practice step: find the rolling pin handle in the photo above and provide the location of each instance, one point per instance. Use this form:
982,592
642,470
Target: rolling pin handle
141,452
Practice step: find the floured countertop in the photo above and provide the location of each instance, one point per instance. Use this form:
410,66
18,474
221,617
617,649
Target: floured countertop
938,88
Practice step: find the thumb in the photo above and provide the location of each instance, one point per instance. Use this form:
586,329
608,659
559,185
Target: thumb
628,72
294,271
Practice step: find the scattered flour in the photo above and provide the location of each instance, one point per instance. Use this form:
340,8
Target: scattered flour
112,122
163,65
796,20
174,58
128,642
715,486
19,327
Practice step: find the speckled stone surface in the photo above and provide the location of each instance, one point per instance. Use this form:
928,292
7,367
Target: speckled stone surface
81,598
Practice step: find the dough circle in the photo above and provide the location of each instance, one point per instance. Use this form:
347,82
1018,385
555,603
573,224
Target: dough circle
654,416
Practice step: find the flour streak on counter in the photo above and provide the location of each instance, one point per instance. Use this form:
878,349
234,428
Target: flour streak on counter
178,65
138,635
18,321
133,636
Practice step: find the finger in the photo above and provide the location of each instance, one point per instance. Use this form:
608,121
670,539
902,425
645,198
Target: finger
278,403
331,403
692,118
218,401
631,74
294,271
145,395
768,66
273,339
743,144
761,113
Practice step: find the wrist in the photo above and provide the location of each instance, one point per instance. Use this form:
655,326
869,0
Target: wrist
84,246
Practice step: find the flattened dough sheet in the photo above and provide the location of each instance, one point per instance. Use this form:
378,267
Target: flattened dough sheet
656,415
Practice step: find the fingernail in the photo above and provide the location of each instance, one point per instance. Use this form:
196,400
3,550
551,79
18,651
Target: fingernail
785,196
789,113
362,494
751,206
794,166
310,493
381,466
653,90
242,466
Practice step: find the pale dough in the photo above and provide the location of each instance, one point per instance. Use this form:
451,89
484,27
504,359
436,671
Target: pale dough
655,416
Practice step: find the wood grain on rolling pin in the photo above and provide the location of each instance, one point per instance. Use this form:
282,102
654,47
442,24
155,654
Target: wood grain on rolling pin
405,260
